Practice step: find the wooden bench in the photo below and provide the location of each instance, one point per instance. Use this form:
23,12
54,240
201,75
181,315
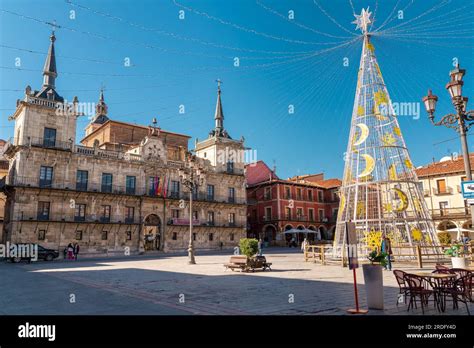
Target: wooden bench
237,261
260,262
244,264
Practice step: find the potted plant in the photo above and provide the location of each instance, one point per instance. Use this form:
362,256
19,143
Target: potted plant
456,252
249,248
373,279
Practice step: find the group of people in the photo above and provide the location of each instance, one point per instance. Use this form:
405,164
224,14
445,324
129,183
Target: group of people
71,252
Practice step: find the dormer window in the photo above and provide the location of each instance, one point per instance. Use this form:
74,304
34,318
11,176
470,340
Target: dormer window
50,95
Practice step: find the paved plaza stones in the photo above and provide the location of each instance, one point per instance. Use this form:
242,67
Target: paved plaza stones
166,285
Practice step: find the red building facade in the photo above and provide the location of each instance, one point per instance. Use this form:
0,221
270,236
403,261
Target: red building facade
276,205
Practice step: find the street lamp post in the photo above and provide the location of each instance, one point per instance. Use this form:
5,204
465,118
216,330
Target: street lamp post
191,177
461,121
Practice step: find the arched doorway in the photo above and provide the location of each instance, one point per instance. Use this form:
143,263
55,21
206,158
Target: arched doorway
312,236
323,231
446,225
288,236
330,233
449,227
467,230
152,232
301,235
269,234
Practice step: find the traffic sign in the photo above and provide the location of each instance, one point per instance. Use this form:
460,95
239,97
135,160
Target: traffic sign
467,189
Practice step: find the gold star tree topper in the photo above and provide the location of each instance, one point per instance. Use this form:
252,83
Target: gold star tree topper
363,20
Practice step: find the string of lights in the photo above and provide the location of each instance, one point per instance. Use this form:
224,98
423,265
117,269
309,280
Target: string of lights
248,30
332,18
177,36
271,10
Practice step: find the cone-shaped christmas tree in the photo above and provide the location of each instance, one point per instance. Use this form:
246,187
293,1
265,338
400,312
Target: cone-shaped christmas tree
380,192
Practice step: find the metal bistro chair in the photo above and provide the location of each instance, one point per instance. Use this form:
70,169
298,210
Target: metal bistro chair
441,287
440,267
418,287
460,291
461,272
402,285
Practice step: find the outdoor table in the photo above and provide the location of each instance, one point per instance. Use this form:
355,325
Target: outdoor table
437,282
434,275
470,268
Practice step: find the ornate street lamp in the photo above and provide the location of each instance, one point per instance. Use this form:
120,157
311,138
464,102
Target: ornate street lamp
191,177
461,121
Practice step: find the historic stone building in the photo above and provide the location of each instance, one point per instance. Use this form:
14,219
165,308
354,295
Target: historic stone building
3,174
303,203
120,186
441,184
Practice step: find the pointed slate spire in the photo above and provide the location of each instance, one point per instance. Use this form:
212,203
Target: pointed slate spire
49,71
101,109
219,115
219,130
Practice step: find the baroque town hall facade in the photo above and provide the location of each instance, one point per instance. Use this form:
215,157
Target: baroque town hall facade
120,188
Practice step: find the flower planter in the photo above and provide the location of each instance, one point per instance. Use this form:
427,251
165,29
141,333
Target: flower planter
373,286
458,262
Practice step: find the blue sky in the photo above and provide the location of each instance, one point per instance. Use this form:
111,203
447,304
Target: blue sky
176,62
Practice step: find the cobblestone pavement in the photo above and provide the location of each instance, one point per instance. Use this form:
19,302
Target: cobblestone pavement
166,284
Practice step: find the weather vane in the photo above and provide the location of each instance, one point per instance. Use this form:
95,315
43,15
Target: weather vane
219,82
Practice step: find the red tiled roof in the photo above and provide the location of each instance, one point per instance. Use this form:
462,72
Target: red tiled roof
445,167
259,172
308,177
329,183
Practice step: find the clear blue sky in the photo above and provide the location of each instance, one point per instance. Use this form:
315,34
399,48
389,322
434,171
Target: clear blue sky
177,62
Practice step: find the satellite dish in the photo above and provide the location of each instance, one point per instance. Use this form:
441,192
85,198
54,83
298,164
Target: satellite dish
445,159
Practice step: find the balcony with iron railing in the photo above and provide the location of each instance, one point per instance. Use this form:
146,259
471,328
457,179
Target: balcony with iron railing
442,191
50,143
87,218
23,181
451,213
298,219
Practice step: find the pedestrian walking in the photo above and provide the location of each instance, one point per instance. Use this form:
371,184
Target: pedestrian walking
76,251
70,252
386,247
260,246
303,245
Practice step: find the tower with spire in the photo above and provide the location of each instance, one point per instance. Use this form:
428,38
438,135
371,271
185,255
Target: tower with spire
50,73
43,116
100,116
219,130
219,148
380,191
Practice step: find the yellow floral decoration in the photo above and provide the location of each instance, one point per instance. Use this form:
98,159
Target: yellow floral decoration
416,234
395,237
388,139
380,97
373,239
360,209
